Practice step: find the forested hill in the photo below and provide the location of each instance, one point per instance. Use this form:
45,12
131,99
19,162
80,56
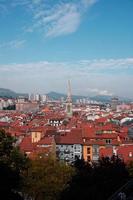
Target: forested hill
10,94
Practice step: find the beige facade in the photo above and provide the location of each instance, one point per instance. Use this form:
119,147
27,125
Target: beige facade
36,136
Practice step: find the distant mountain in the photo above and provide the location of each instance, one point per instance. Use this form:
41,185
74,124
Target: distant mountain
107,99
101,98
7,93
57,96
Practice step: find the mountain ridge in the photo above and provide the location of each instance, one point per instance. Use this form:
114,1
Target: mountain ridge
8,93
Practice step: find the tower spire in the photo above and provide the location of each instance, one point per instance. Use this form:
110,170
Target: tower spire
69,101
69,94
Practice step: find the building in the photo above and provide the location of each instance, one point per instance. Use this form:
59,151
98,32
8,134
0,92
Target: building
125,152
69,145
69,111
114,103
95,138
27,107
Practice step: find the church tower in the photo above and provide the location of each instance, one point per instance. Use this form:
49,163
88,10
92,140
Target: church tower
69,101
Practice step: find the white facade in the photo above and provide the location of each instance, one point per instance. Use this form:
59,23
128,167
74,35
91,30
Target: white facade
69,152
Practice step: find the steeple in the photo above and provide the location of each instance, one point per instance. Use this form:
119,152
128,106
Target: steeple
69,101
69,93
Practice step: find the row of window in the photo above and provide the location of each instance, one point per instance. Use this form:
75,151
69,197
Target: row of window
76,147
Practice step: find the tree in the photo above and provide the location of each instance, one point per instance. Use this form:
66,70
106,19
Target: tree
130,168
46,178
97,181
12,163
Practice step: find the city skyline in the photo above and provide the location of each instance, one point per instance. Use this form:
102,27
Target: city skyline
44,43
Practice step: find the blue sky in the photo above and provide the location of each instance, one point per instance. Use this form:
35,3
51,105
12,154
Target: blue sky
43,43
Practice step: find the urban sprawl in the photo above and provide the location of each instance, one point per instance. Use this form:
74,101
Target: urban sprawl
69,130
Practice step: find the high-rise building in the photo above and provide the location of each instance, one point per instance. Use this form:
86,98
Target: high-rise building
43,97
31,97
69,111
34,97
37,97
114,103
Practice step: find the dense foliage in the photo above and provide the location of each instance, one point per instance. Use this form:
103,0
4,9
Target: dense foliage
96,181
21,178
46,179
12,163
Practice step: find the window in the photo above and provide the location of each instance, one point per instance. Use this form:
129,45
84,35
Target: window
35,134
88,150
99,132
108,141
95,149
77,156
77,150
130,154
88,158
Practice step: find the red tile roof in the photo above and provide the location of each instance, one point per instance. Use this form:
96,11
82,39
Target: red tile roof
73,137
26,145
125,152
45,141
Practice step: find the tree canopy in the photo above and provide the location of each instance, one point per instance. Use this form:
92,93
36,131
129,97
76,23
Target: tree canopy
12,163
96,181
47,178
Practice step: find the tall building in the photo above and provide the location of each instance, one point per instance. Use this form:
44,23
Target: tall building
37,97
34,97
69,111
43,97
114,103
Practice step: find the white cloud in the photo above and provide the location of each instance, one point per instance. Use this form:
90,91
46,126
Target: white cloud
13,44
82,67
98,91
65,21
87,3
15,3
53,19
105,93
111,76
107,64
58,19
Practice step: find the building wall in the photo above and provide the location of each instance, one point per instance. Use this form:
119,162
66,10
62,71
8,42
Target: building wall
35,136
55,122
87,152
69,110
27,107
69,152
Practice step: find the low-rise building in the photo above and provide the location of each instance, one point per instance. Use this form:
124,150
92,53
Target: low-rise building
69,145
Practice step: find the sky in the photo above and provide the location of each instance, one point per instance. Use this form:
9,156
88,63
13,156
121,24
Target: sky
45,43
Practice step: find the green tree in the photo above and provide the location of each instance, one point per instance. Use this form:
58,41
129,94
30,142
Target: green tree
46,179
12,164
130,169
97,181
